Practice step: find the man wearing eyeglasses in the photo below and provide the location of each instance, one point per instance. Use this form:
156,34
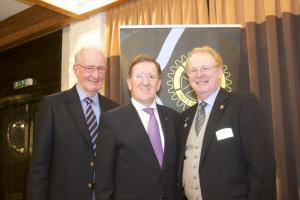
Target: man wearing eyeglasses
225,148
138,142
66,130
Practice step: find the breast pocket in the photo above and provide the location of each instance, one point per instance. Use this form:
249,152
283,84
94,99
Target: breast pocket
239,191
125,196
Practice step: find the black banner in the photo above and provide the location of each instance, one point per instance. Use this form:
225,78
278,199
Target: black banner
170,45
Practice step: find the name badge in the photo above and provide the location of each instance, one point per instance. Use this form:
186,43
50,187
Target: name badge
224,133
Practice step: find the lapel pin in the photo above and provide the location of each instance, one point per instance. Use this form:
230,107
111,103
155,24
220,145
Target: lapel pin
221,107
186,119
185,122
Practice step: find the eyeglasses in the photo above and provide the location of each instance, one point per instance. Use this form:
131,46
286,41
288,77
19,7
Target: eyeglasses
202,68
140,76
91,69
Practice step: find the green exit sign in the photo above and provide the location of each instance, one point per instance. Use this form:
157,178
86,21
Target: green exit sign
23,83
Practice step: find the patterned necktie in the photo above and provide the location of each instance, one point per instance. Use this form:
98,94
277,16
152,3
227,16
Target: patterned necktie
91,121
154,135
200,117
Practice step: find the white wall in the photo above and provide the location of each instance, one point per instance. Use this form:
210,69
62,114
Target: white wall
84,33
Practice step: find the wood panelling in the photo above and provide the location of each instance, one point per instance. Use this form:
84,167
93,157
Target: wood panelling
40,19
49,6
39,59
28,24
57,9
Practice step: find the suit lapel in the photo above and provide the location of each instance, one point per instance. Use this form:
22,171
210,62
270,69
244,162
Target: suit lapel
165,124
187,121
75,108
136,125
104,105
216,113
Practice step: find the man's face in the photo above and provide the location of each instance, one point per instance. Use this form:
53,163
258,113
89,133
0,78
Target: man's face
90,71
204,76
144,82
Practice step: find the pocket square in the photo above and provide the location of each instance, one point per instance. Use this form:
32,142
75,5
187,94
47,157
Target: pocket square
224,133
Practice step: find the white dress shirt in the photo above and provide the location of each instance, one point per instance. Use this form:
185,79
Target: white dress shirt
145,117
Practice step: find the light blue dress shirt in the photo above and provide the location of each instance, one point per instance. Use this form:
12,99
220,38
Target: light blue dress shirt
95,103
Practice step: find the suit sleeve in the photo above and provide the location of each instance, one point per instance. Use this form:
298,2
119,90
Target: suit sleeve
105,161
258,149
38,177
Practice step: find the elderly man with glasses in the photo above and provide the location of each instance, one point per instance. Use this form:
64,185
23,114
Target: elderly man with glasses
226,150
66,130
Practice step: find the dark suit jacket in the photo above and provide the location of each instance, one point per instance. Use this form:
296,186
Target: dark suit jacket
62,151
239,167
126,165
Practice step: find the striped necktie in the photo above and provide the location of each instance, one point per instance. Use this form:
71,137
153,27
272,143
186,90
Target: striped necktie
200,117
91,121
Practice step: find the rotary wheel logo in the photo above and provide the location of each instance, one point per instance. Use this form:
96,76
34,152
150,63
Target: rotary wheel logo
178,84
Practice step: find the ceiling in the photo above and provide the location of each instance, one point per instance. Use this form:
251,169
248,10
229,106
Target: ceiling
11,7
23,20
77,9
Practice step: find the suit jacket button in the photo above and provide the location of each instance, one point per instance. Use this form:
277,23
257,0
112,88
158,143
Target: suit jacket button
90,185
92,164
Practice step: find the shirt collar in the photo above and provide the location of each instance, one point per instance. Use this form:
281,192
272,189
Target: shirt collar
82,95
140,106
211,99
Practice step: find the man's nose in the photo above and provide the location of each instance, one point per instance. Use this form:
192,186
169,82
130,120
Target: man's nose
95,73
199,72
145,80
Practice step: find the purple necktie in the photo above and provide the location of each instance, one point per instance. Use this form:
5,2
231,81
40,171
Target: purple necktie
91,121
154,135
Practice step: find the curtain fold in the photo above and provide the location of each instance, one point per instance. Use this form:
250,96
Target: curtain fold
270,68
271,50
243,11
270,61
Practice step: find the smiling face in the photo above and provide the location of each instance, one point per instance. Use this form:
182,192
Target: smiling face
89,82
204,74
144,82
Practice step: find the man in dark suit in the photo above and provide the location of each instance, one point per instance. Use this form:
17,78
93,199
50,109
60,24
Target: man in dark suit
225,151
138,142
62,166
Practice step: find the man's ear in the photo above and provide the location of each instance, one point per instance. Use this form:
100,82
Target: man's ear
220,71
129,83
75,69
158,85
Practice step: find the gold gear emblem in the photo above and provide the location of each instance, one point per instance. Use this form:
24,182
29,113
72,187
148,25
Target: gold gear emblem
179,87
